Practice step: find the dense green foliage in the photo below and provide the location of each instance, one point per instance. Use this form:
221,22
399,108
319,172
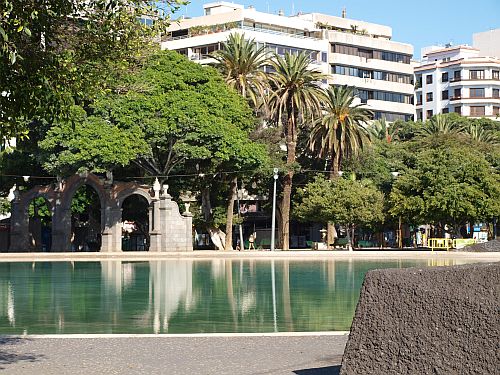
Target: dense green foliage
450,183
341,200
54,54
89,143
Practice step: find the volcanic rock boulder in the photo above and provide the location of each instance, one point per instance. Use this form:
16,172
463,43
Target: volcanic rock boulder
442,320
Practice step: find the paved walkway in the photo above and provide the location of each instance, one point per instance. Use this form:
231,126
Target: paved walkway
303,355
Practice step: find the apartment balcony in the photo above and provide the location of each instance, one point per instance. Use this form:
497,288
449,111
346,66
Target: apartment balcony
477,99
213,30
474,81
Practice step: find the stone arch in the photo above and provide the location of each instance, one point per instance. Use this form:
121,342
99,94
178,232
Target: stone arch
72,184
123,191
67,190
132,188
20,235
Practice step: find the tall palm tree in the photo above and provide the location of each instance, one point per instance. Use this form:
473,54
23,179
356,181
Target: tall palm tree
342,131
295,97
241,63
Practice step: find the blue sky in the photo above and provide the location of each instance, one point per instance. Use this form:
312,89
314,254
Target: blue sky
418,22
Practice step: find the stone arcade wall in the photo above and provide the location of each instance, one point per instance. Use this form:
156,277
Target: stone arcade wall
442,320
168,229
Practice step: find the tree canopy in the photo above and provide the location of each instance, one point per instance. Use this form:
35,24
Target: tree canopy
344,201
54,54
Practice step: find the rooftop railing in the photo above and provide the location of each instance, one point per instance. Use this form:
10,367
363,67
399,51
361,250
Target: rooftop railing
248,28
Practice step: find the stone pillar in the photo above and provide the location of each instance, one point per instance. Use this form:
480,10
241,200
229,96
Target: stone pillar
112,233
19,228
188,222
155,233
61,229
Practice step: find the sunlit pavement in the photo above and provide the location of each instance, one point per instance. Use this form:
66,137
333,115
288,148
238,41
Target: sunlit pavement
312,355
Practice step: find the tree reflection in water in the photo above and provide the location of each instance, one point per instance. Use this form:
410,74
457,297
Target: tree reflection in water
183,296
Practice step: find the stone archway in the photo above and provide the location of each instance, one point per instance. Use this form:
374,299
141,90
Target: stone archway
168,229
136,213
61,238
20,231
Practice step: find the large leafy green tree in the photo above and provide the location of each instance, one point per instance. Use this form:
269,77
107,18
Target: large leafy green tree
344,201
57,53
193,123
89,143
295,98
451,183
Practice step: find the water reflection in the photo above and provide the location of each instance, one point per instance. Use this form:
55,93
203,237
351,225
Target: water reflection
184,296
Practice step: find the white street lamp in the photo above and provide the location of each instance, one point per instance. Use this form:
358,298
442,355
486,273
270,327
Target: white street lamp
273,224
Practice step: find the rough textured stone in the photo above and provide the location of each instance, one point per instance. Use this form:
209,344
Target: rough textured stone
442,320
489,247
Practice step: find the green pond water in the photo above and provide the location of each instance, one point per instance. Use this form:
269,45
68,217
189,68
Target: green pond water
184,296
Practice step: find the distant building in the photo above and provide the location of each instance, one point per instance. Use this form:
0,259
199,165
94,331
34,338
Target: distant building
457,79
487,42
355,53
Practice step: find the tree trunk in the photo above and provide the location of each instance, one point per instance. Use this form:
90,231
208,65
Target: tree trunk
206,206
217,236
285,202
229,214
331,233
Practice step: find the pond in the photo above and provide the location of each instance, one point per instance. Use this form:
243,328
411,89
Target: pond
185,296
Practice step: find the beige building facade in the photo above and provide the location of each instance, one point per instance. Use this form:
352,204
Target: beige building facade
351,52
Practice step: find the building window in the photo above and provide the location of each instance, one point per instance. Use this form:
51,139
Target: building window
444,95
457,94
324,57
456,75
419,99
495,74
366,53
428,97
429,113
445,110
444,77
370,54
458,109
496,111
419,82
476,74
476,92
428,79
419,115
496,93
476,111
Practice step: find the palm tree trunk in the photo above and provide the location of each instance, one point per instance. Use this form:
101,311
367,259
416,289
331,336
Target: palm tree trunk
287,188
331,233
229,214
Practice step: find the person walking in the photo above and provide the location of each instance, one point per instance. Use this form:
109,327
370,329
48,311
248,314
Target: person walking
251,241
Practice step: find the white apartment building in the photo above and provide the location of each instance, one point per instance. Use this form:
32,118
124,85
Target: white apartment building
457,79
352,52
